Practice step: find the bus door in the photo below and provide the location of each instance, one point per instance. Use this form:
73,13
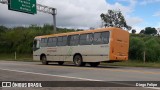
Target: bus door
36,45
36,48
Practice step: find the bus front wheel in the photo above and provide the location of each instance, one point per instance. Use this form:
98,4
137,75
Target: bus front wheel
94,64
78,61
44,60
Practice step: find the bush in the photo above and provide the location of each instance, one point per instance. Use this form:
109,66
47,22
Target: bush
147,43
152,50
20,39
136,48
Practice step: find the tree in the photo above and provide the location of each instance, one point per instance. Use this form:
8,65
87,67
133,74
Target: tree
91,28
150,31
142,32
3,29
114,19
136,48
133,31
152,50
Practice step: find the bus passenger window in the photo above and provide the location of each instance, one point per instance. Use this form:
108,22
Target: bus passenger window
86,39
52,42
97,39
101,38
105,37
74,40
43,42
62,41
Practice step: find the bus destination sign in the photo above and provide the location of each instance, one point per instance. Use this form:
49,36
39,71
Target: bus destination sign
25,6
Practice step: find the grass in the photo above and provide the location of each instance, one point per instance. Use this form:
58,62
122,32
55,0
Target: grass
19,57
129,63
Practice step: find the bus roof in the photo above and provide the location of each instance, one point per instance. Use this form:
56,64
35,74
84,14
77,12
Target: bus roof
80,32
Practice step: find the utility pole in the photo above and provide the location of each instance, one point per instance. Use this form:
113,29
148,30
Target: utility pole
54,19
44,9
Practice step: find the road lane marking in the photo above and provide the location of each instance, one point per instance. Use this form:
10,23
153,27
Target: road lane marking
86,79
49,75
88,68
99,69
45,66
153,88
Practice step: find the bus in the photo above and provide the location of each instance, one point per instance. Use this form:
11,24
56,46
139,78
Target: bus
88,46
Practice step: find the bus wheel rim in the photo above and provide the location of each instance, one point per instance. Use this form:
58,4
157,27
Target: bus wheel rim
78,60
43,59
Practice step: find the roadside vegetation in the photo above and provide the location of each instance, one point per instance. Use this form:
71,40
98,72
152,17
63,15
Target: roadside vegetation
20,40
134,63
144,47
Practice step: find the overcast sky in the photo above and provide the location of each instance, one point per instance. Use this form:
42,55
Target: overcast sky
86,13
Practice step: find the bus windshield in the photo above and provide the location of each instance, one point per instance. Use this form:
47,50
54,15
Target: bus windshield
36,45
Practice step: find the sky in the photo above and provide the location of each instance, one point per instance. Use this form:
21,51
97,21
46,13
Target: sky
86,13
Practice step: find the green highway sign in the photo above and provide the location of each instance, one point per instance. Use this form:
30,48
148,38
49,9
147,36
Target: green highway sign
25,6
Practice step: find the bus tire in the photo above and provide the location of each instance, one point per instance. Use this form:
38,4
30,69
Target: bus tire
60,62
44,60
78,61
94,64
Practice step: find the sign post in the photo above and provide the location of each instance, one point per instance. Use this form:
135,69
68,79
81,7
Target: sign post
25,6
30,7
54,20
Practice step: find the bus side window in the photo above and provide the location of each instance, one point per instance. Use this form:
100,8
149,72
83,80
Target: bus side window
43,42
59,41
74,40
105,37
68,40
62,41
86,39
97,38
38,44
52,42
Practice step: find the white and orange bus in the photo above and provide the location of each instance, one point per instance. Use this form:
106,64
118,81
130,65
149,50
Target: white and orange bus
89,46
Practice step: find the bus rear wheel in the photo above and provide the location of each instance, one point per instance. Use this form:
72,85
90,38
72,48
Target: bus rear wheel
94,64
44,60
78,61
61,63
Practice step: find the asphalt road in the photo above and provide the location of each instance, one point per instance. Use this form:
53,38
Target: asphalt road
35,71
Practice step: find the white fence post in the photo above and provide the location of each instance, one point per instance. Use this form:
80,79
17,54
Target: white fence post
15,55
144,57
